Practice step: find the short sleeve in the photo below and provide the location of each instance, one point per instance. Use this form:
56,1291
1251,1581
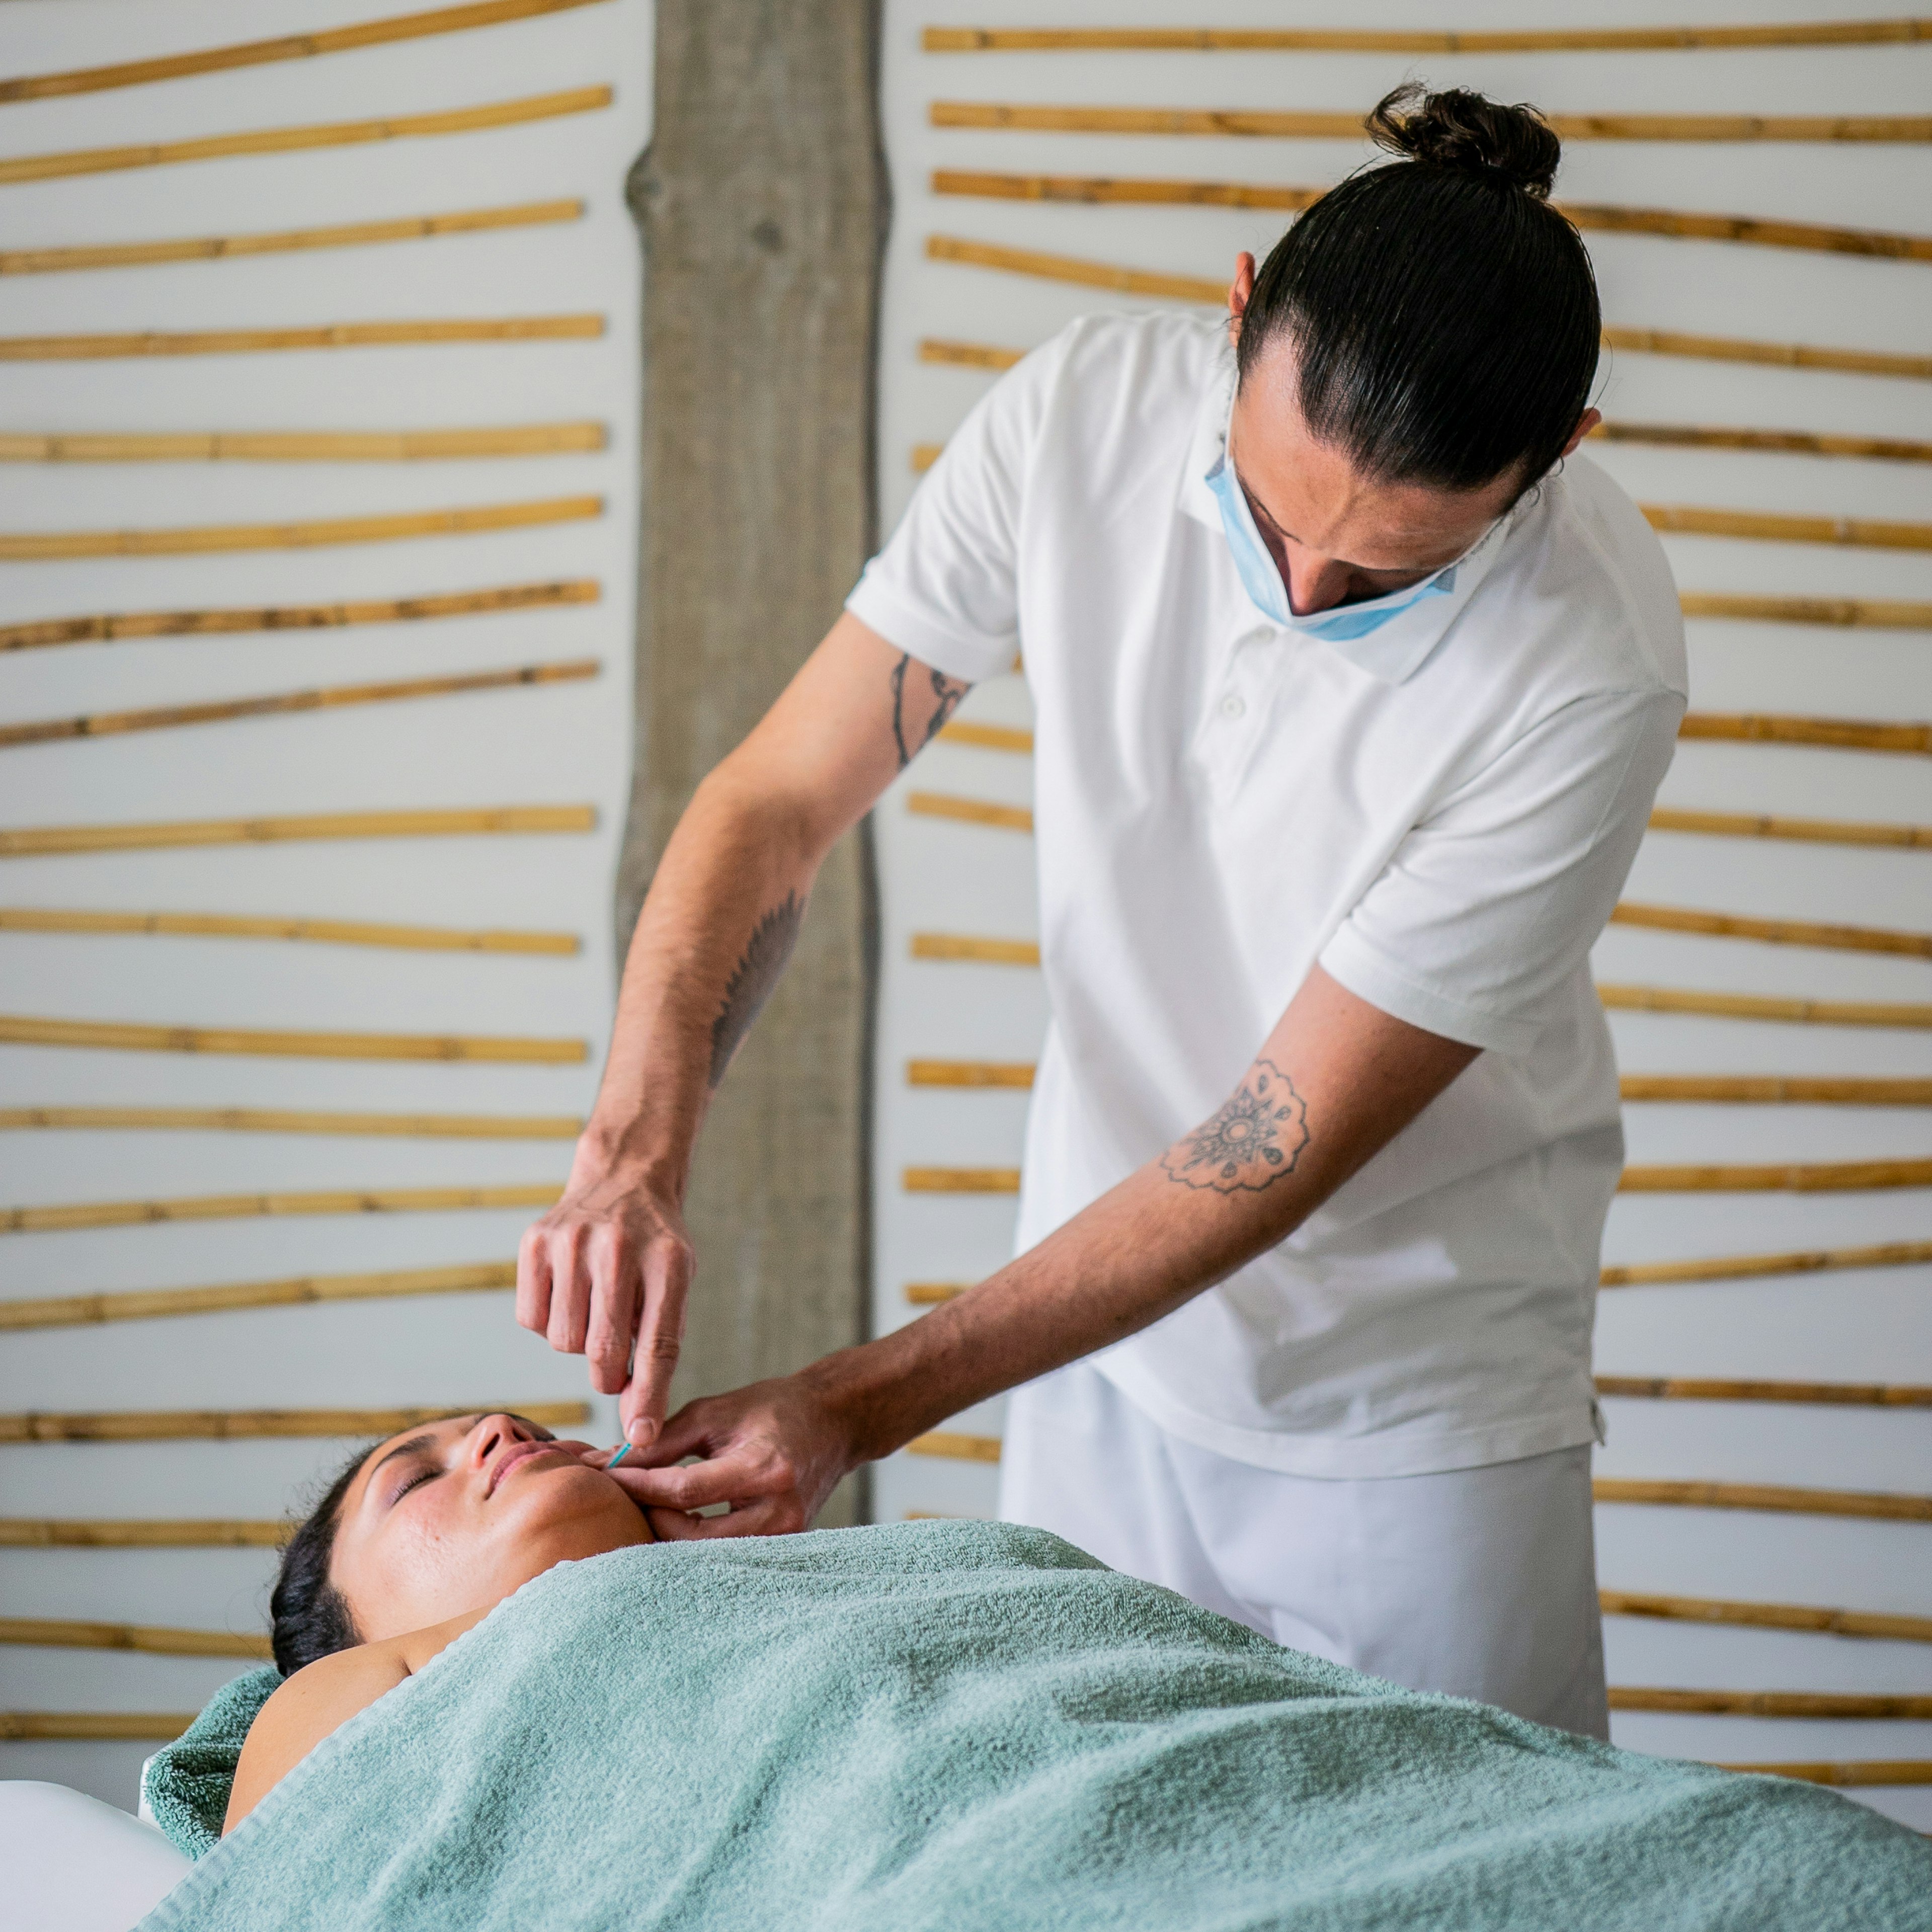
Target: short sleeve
945,587
1494,900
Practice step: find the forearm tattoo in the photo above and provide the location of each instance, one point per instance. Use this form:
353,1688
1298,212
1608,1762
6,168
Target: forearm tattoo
752,980
919,715
1251,1143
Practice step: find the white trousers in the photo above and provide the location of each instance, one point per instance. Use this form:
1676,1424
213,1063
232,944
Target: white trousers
1480,1582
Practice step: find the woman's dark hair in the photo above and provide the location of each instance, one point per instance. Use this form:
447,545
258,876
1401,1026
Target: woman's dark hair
308,1616
1443,316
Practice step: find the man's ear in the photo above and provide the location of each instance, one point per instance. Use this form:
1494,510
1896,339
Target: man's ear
1586,422
1240,291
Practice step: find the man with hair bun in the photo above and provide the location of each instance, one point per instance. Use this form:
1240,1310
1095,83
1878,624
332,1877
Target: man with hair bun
1354,685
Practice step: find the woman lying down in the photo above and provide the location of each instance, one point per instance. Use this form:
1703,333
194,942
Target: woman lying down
505,1705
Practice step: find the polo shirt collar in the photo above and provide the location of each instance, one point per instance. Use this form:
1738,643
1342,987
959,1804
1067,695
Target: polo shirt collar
1394,651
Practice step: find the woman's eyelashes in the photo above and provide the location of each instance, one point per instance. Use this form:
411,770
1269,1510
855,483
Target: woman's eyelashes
423,1473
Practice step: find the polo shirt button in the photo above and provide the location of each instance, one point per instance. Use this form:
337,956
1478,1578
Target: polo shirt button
1231,706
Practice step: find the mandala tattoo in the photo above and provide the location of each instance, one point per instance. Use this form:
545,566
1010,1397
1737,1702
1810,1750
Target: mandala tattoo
946,694
1251,1143
752,980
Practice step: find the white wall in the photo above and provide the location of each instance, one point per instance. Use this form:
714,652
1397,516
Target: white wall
1848,1326
568,743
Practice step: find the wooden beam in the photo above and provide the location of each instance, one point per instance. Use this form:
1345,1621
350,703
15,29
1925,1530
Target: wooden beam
402,446
1326,40
1798,1090
234,1425
1767,1616
987,737
1772,442
29,842
80,1311
969,1073
39,1532
1768,1703
291,1120
207,539
117,626
1842,1395
987,952
145,1726
286,240
281,703
249,1207
930,1293
321,335
1772,931
1774,355
1206,289
955,1446
1816,1177
960,1180
298,140
284,47
155,1640
1775,1498
1693,519
1866,1771
970,811
1813,831
1846,613
277,1043
1753,1007
1842,734
315,932
1747,1268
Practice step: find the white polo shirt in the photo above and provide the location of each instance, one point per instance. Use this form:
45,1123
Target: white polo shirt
1440,813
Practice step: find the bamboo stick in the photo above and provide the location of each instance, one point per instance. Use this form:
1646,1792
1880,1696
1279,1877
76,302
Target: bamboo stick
988,952
1690,519
249,1207
1071,269
1776,1498
418,445
951,1443
289,1120
1749,1089
1681,225
318,932
970,1073
1093,190
968,354
1813,831
206,539
1750,1006
284,47
1850,612
1775,931
1323,40
145,1726
283,242
79,1311
924,456
157,1640
402,334
153,836
1842,1395
961,1179
1745,1268
973,811
1868,1771
987,737
930,1293
1818,1178
30,1532
234,1425
114,627
1780,355
1780,442
1767,1616
293,140
278,1043
317,698
1768,1703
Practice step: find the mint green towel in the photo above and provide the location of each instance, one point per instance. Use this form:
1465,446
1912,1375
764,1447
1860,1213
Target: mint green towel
186,1783
964,1727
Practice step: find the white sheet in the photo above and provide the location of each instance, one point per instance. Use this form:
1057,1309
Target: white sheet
74,1865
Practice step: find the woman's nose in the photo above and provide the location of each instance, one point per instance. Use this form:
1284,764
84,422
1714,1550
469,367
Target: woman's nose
489,1434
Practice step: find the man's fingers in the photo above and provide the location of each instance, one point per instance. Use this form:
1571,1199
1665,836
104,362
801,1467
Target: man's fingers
673,1525
533,1278
614,1296
666,1281
688,1432
736,1477
569,1289
771,1515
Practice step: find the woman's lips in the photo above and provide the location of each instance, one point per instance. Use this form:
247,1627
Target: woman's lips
517,1452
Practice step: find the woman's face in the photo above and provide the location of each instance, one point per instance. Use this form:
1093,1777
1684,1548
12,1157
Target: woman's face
456,1515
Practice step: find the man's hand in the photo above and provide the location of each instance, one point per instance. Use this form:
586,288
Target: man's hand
605,1274
773,1450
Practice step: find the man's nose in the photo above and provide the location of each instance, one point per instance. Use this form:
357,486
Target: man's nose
1314,583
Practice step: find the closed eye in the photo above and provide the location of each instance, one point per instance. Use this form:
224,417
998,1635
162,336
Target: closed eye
424,1473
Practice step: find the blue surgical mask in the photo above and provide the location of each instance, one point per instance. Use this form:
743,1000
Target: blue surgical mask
1262,580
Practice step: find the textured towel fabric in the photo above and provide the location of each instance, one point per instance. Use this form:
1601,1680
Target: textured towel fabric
956,1727
186,1784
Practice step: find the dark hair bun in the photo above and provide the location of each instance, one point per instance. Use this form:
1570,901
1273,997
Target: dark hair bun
1466,133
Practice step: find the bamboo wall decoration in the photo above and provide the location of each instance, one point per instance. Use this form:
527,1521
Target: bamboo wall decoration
969,1073
969,354
250,1207
951,1443
1767,1616
960,1180
924,456
280,1043
1850,613
1869,1771
1754,1006
930,1293
1813,831
1773,932
988,952
1829,1177
463,821
1305,125
207,539
319,697
33,1532
285,240
1212,292
1325,40
234,1425
1774,1498
987,737
297,140
1691,1388
1692,519
1768,1703
81,1311
315,932
318,335
119,626
408,445
972,811
1746,1267
284,47
293,1120
1776,442
145,1726
155,1640
1761,1090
